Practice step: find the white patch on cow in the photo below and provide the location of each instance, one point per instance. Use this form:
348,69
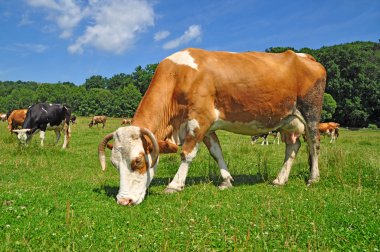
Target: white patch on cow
217,114
302,55
183,58
44,110
192,125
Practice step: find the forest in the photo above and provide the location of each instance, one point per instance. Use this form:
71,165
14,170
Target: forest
352,95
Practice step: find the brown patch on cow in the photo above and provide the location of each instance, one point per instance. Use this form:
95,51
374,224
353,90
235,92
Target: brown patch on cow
16,119
167,147
139,164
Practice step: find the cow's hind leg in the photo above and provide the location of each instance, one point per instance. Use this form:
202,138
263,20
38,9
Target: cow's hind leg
67,135
213,145
290,154
313,149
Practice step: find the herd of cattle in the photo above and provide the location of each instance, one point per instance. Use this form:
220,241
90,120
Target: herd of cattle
193,94
16,119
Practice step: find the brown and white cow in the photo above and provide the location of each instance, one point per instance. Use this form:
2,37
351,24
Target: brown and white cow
126,121
98,119
195,92
16,118
331,129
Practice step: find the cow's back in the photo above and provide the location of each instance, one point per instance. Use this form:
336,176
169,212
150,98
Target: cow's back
244,86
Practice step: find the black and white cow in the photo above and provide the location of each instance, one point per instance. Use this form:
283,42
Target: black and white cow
276,134
42,117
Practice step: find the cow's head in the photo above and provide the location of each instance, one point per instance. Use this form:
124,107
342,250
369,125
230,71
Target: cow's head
23,134
90,124
135,155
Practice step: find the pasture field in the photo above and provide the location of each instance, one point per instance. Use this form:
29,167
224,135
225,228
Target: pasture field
53,199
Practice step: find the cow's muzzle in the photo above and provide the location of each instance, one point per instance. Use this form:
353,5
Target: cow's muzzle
125,202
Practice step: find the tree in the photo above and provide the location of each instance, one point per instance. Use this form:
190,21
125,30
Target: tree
126,101
329,106
142,77
95,81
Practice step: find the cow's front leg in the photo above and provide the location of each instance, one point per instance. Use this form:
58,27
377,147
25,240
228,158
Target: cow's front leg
290,154
42,137
213,145
193,136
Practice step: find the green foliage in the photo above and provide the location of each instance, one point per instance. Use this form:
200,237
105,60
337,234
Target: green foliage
60,200
329,106
372,126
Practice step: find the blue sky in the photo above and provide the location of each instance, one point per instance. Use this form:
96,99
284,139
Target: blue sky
71,40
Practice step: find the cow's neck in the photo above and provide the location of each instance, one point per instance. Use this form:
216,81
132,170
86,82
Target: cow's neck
155,112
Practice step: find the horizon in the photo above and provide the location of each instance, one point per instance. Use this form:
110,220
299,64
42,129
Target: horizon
48,41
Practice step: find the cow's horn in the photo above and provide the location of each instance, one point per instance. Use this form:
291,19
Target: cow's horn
101,152
152,138
21,130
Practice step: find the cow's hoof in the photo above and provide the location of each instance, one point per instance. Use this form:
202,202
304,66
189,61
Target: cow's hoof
277,182
312,181
170,190
225,185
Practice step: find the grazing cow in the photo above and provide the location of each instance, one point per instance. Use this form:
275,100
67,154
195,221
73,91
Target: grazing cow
3,117
331,129
274,133
73,119
98,119
16,118
195,92
42,117
126,121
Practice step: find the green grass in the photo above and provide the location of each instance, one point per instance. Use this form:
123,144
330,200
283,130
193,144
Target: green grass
53,199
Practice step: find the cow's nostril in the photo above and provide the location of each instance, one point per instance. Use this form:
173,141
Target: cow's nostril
124,202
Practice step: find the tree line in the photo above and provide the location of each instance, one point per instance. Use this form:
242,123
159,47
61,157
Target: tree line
352,95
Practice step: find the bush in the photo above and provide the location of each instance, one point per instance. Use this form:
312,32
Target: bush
372,126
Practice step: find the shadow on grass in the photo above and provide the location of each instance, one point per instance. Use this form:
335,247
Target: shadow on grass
239,180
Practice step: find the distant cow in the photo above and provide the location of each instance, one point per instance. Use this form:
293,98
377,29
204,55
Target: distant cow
126,121
98,119
3,117
274,133
73,119
42,117
331,129
16,118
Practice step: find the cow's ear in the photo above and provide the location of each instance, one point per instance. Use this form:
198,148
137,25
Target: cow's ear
167,147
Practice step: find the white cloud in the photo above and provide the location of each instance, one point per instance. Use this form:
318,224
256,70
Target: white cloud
116,24
161,35
110,25
66,13
194,32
